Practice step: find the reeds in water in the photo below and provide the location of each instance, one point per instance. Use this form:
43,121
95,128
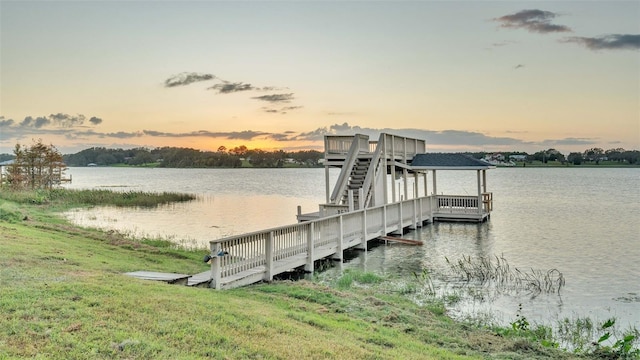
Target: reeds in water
497,271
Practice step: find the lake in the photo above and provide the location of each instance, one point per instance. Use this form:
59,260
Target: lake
584,222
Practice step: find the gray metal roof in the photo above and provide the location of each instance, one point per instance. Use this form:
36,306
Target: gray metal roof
445,161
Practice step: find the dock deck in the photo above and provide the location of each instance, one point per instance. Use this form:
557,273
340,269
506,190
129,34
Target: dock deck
371,198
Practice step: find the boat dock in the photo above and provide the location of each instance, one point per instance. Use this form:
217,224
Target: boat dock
382,188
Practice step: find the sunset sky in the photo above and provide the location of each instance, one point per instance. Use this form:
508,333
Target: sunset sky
464,76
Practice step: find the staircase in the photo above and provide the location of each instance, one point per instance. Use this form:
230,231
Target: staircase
356,181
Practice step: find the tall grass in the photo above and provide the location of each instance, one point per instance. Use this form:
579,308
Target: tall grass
94,197
497,271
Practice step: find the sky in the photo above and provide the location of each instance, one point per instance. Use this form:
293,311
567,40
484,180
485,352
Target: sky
463,75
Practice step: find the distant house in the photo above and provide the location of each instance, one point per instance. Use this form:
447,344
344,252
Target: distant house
92,164
518,157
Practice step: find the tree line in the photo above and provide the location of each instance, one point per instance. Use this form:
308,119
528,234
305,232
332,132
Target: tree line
589,156
177,157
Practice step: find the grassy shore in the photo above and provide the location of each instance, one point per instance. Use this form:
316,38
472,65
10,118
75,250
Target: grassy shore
64,296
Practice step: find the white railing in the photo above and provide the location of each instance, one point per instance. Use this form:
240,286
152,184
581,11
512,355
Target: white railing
343,178
269,252
402,148
338,144
457,204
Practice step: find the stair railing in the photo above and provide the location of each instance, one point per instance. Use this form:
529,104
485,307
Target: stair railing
372,172
345,172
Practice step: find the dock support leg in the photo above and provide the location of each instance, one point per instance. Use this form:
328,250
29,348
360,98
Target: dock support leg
338,256
310,249
268,251
215,266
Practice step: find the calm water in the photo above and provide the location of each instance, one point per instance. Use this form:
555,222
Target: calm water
583,222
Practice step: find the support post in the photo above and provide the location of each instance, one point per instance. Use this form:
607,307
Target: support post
269,252
338,255
310,248
326,183
400,227
384,220
363,243
479,192
215,266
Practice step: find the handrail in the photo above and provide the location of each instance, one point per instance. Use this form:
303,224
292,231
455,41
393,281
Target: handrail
341,184
372,172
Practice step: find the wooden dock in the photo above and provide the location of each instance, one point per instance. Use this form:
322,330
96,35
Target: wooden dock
377,193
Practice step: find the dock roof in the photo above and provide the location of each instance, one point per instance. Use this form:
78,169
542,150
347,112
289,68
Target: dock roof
448,161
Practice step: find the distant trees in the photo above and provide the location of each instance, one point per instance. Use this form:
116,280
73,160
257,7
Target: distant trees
192,158
35,167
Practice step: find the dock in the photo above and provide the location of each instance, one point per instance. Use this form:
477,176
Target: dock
382,188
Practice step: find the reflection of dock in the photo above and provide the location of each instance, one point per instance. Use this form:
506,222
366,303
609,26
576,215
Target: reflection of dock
382,189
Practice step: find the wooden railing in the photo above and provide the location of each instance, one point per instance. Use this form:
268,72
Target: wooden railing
339,144
256,256
464,204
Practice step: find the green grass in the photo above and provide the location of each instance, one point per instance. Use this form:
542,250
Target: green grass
64,295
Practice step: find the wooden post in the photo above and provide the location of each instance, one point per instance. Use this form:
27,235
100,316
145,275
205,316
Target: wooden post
479,192
363,242
350,200
340,241
400,215
269,252
384,219
326,182
215,266
310,248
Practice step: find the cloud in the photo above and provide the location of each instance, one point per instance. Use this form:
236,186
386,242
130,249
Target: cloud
65,120
607,42
518,66
568,141
5,122
438,139
275,98
37,122
533,21
60,120
232,87
229,87
187,78
283,110
242,135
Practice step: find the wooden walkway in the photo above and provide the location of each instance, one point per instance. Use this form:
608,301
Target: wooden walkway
259,256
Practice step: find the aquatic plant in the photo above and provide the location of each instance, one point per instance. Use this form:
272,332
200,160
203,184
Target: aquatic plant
497,271
70,197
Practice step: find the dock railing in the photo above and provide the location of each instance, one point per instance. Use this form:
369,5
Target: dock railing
463,205
248,258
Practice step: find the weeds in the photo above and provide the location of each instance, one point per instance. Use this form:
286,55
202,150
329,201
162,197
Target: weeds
580,336
94,197
485,270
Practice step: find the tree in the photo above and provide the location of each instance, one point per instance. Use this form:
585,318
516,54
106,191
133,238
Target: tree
593,154
36,167
575,158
